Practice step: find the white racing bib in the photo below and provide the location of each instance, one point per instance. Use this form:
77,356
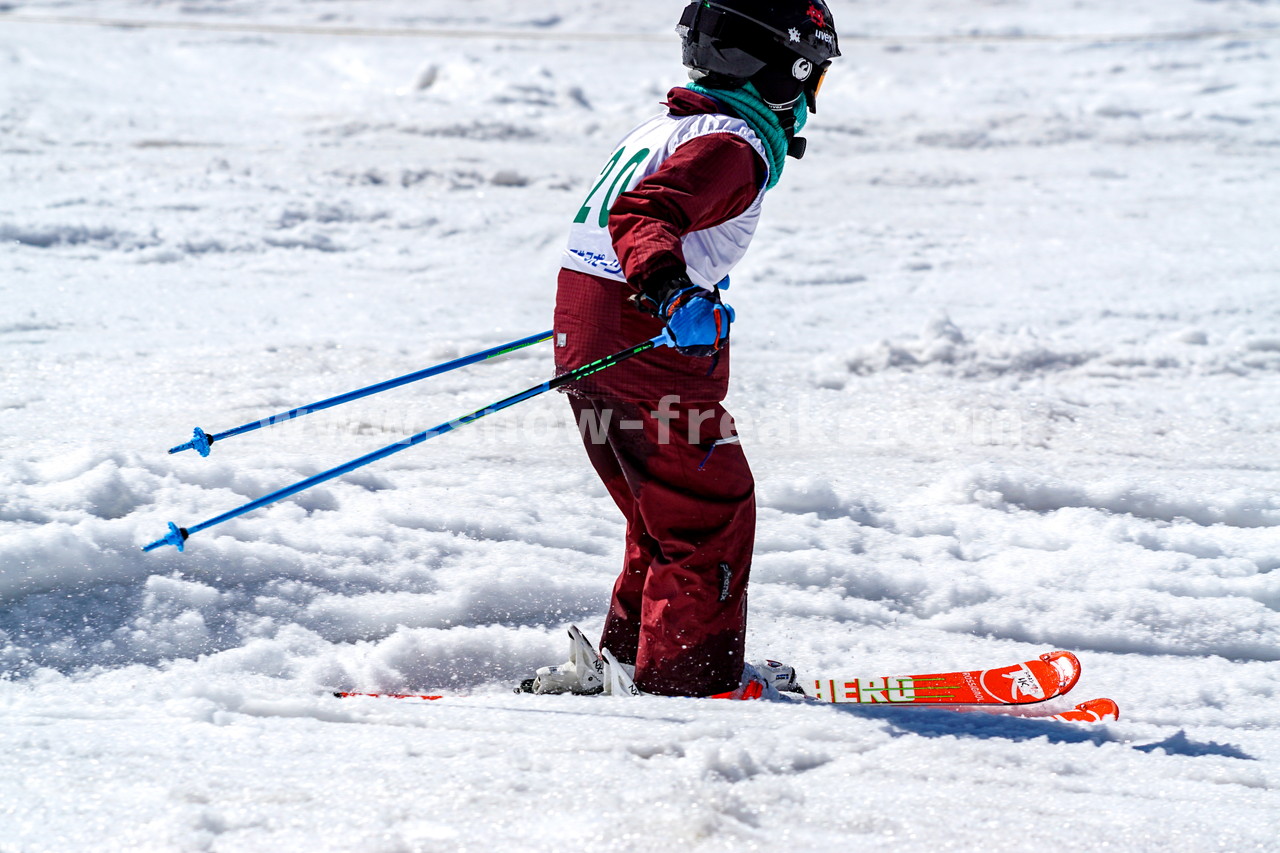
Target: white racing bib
709,254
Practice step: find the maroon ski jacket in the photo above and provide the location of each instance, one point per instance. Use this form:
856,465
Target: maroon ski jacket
706,182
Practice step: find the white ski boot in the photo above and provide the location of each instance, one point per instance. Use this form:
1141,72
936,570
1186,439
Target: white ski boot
763,680
583,673
779,675
618,681
587,672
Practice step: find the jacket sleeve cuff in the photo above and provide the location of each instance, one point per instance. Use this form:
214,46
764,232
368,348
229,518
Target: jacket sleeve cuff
657,286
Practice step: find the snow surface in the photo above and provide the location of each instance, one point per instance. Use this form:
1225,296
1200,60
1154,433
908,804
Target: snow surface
1007,368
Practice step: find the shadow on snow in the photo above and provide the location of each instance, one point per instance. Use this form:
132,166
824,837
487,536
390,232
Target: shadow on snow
929,722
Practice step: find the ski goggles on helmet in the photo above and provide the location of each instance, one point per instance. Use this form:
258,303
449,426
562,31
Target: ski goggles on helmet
813,85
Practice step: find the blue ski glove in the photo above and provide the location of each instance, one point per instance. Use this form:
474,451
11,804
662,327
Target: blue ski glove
697,320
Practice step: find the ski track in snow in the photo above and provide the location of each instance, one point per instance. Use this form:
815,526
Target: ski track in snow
1008,371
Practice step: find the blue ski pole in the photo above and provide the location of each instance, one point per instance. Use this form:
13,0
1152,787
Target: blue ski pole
201,440
177,536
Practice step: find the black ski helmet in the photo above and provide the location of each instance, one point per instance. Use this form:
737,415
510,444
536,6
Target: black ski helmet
784,47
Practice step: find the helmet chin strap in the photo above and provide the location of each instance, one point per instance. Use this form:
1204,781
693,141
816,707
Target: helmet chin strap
796,145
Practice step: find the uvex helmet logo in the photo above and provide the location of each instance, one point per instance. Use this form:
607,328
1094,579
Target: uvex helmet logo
817,16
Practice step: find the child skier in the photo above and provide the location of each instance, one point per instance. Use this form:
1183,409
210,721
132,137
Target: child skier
671,213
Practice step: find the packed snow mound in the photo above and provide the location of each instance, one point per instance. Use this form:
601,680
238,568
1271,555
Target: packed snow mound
76,591
942,348
55,235
813,495
1010,490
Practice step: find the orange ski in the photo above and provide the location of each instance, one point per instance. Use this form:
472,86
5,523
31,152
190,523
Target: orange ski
1046,677
342,695
1093,711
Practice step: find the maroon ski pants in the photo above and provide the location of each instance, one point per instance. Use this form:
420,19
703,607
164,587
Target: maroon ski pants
678,474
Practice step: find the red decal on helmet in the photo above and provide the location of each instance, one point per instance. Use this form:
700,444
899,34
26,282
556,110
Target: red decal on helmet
816,15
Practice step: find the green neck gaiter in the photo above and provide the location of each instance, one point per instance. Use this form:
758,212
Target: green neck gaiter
751,108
